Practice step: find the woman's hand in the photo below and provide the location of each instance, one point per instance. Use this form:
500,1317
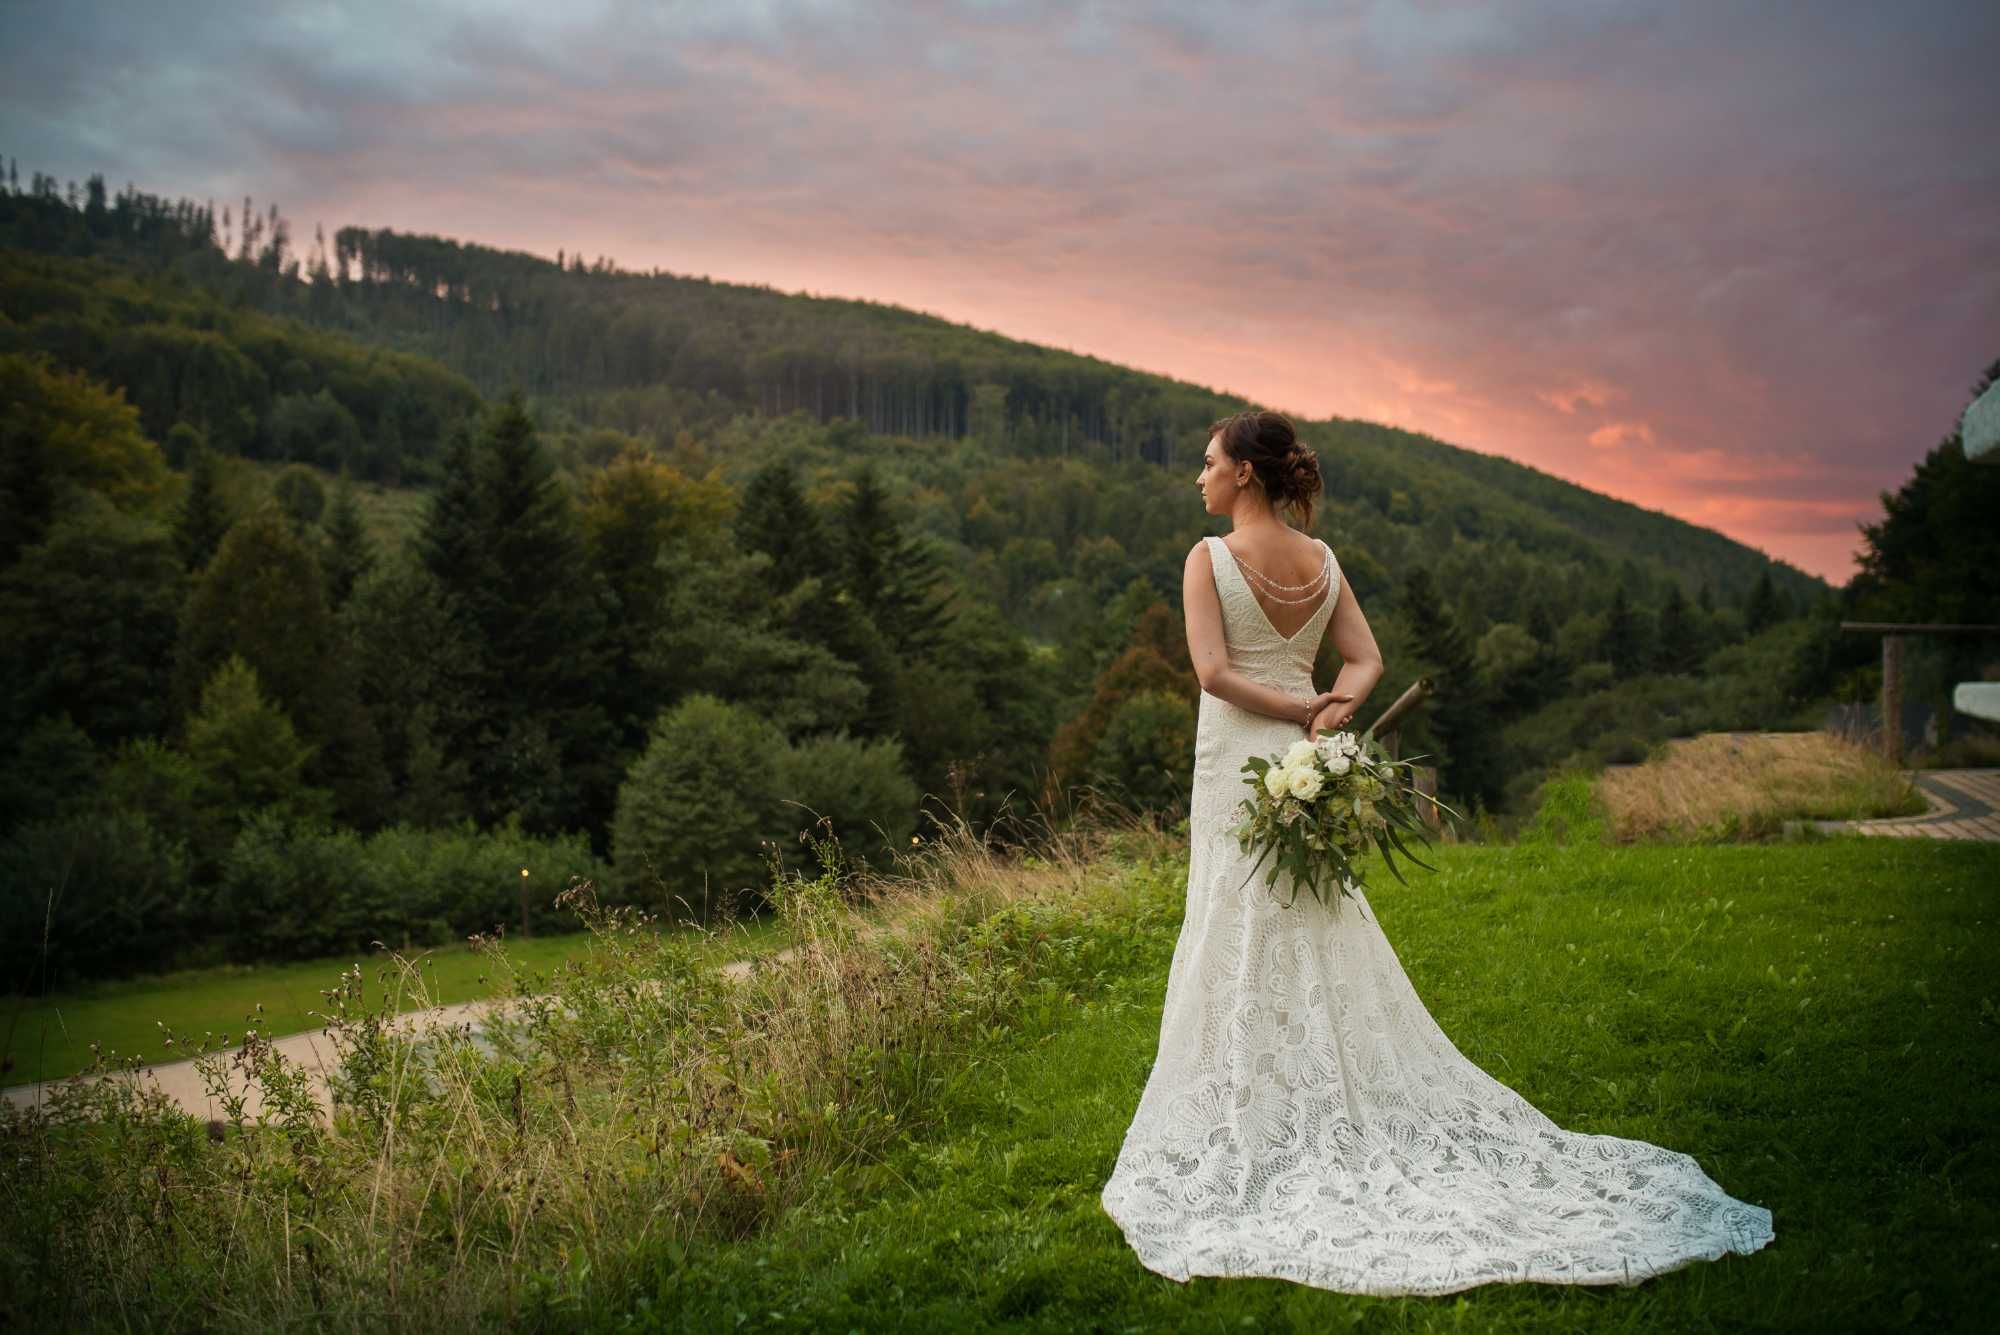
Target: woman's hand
1325,705
1331,714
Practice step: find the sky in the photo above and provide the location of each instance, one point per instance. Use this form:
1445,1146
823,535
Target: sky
1740,263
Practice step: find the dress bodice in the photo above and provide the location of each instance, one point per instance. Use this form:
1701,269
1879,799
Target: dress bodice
1227,734
1256,649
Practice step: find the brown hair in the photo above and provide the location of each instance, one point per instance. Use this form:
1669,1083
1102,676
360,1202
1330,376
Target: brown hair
1287,468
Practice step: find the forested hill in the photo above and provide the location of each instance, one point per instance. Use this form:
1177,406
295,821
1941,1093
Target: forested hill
337,592
652,354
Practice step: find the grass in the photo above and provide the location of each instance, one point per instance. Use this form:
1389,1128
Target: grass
1811,1021
49,1037
1721,786
909,1131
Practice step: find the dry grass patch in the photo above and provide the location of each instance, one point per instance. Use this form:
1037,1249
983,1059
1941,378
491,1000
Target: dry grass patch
1723,786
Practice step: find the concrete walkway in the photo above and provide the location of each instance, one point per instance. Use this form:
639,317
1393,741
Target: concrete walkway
312,1049
1964,804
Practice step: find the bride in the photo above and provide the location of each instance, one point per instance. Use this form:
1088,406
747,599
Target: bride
1305,1117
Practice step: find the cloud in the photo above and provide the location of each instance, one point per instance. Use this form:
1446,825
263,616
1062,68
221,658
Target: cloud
1594,393
1752,234
1612,434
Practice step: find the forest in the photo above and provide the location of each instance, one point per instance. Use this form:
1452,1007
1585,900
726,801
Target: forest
373,591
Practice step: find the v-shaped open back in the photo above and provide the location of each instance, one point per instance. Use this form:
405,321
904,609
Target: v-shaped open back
1229,578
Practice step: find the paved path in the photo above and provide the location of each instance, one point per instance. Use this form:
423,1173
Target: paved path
1964,804
179,1080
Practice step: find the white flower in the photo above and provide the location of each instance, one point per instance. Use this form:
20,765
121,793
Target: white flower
1304,783
1349,743
1339,765
1276,779
1301,754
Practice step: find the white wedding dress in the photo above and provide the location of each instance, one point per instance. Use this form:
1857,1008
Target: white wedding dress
1306,1118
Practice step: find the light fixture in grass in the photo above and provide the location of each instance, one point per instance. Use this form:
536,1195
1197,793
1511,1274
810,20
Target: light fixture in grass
1316,808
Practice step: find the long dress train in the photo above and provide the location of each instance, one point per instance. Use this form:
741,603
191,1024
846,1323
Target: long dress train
1307,1119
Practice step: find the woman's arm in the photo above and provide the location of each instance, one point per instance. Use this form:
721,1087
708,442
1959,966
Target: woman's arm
1210,652
1360,663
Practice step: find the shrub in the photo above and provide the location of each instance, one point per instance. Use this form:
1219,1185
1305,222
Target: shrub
291,890
106,887
1567,810
452,882
860,786
699,807
1147,752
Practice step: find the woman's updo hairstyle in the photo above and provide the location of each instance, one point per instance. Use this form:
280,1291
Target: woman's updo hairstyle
1287,469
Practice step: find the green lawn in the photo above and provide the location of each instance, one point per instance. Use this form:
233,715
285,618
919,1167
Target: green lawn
46,1038
1814,1022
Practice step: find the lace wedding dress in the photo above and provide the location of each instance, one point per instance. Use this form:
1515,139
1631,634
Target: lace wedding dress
1307,1119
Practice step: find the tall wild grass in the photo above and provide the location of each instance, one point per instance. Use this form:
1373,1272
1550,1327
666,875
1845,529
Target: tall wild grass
624,1108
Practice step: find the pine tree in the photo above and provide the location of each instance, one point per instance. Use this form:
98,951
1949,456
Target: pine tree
898,578
1459,713
1678,648
775,518
1620,646
349,554
203,520
503,540
452,541
1761,609
263,598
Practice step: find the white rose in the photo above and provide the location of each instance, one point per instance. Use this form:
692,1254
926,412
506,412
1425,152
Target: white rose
1275,779
1301,754
1305,783
1339,765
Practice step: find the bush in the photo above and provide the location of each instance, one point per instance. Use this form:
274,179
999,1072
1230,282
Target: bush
860,787
699,808
292,891
107,888
452,882
300,495
1146,755
1567,810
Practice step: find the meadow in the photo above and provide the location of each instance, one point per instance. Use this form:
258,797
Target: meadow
905,1126
49,1037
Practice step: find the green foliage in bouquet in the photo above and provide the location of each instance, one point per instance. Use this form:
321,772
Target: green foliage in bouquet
1316,809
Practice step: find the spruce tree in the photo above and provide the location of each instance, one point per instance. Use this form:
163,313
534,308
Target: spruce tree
899,578
1678,648
452,542
1761,610
1460,712
503,541
775,518
203,519
1621,635
263,598
348,552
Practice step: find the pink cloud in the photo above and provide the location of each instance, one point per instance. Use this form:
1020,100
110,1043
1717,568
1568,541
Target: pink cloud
1613,434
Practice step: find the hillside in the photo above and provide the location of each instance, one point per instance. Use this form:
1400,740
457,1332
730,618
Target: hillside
933,571
655,354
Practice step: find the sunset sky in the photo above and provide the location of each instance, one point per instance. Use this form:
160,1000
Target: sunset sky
1739,263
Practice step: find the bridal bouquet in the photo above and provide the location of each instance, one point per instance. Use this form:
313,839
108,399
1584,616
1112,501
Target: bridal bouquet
1316,808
